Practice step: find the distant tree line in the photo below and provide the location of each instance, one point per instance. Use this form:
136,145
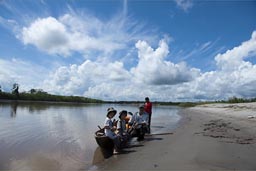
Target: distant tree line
239,100
192,104
40,95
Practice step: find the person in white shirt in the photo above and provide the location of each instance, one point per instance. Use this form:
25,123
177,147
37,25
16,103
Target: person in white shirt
139,123
110,129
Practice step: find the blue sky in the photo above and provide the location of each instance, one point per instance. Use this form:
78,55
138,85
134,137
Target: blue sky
180,50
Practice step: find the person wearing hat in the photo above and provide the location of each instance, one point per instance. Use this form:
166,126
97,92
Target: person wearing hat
139,122
121,128
121,124
110,129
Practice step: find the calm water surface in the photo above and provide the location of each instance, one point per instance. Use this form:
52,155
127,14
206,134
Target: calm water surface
41,136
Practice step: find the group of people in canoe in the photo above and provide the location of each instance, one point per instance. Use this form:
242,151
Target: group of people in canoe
128,125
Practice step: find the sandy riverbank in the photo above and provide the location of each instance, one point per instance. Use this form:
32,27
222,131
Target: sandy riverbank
210,137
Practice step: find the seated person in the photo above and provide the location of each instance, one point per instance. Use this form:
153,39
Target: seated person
139,123
121,124
128,117
121,127
110,129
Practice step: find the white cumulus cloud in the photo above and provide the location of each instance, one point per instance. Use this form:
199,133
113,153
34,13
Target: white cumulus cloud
48,34
154,69
77,79
111,80
234,59
81,33
158,78
234,76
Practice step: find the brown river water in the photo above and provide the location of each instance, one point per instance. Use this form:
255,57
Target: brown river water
46,136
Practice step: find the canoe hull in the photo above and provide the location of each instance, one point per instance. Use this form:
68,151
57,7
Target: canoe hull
103,141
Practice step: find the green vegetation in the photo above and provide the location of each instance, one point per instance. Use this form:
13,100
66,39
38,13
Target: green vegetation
182,104
239,100
230,100
192,104
39,95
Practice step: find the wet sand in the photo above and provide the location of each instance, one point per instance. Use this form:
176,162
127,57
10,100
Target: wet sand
210,137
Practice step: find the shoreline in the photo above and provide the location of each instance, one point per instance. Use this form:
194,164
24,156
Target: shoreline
45,102
209,137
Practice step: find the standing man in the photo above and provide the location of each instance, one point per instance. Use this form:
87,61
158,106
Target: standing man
148,109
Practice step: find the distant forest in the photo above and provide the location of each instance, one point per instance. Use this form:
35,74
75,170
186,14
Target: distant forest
191,104
40,95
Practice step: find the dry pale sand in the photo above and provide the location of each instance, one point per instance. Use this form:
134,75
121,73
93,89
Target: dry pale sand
210,137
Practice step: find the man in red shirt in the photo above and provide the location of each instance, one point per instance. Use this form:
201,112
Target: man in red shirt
148,109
